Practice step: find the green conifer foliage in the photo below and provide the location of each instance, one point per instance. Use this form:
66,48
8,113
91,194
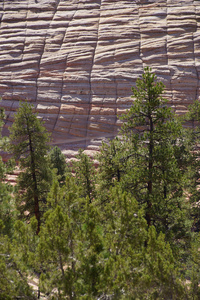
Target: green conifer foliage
112,159
7,211
58,240
29,144
6,201
85,175
70,252
160,278
122,231
13,279
124,234
13,284
193,269
160,158
192,183
89,254
57,159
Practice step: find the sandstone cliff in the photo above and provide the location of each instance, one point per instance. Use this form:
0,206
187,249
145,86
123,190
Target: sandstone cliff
76,60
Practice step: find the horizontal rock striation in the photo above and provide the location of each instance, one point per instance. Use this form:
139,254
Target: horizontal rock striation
76,60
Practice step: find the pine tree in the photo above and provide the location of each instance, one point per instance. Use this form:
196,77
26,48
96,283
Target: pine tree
161,279
57,159
57,247
85,175
13,278
71,250
160,158
124,234
29,144
192,134
90,252
112,158
193,268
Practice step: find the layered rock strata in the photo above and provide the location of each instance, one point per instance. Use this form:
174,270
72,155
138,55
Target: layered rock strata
76,60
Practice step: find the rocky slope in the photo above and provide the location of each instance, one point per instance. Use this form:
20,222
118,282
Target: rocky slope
76,60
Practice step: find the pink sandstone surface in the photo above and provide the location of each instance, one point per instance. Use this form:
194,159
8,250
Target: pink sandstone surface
76,60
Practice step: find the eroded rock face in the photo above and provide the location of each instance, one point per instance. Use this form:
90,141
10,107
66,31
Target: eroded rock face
76,60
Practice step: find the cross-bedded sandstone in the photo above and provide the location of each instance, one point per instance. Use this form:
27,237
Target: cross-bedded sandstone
77,60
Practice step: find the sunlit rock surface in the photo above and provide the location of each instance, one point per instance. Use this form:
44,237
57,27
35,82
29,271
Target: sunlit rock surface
76,61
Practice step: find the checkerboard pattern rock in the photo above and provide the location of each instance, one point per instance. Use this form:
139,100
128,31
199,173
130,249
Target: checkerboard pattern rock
77,60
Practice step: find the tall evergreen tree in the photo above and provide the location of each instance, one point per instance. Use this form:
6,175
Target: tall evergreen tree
29,144
192,120
160,157
13,283
57,249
